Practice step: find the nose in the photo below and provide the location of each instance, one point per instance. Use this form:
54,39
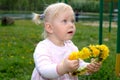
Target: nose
71,24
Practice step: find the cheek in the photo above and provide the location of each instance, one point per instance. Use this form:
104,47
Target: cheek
60,30
75,29
58,27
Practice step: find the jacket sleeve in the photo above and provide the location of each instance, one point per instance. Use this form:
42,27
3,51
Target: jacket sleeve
43,62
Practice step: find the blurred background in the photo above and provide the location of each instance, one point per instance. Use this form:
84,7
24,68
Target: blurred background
19,35
22,9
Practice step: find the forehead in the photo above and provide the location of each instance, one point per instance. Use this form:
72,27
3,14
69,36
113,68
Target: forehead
61,9
65,9
66,14
56,10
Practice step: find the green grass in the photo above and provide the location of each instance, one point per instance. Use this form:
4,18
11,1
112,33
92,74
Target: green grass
17,43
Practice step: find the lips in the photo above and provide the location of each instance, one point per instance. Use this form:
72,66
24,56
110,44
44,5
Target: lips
70,32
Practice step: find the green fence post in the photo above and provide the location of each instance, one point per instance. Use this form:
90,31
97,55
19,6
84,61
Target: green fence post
66,1
117,68
101,22
110,17
59,0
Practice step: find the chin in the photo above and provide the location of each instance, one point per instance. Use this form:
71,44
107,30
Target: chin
69,38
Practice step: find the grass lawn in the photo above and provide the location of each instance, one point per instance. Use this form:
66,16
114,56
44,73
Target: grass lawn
17,43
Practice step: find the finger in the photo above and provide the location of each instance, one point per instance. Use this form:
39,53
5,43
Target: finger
90,68
96,69
97,65
76,64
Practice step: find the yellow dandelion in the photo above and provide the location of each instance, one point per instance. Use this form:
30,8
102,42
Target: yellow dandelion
95,52
104,51
73,56
98,52
85,53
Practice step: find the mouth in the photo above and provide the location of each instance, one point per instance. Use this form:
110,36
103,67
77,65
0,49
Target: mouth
70,32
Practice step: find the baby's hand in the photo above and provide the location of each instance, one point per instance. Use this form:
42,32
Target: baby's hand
93,67
68,66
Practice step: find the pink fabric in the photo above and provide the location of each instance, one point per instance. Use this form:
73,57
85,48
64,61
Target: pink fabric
47,56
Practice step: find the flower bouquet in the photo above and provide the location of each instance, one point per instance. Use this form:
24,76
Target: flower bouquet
97,52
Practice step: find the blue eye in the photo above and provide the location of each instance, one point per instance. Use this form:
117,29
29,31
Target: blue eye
73,21
64,21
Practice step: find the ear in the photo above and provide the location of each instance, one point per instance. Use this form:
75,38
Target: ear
48,27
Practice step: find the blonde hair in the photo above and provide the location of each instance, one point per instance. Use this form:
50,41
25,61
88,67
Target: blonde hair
53,11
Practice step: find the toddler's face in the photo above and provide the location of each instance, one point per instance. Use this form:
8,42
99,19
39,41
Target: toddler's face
63,25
